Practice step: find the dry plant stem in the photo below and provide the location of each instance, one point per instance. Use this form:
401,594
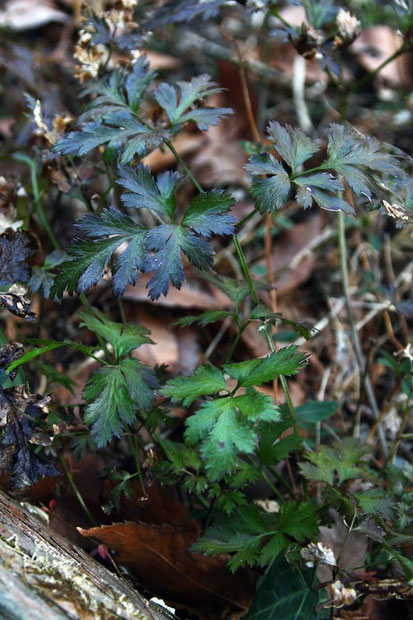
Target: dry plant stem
384,410
396,444
356,342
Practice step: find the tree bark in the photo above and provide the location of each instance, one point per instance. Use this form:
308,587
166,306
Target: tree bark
45,577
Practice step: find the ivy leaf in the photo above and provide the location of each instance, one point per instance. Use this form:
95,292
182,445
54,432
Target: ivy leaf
123,338
114,394
146,192
104,233
285,592
205,381
178,103
286,361
292,144
271,193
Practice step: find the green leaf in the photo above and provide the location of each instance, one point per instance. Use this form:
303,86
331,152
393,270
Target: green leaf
292,144
285,593
208,214
115,394
104,233
179,104
286,361
119,130
273,450
340,460
33,353
206,380
146,192
205,318
375,502
224,428
123,338
243,533
315,411
271,193
222,434
298,520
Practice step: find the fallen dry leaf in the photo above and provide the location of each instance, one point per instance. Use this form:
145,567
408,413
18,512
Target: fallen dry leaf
159,557
21,15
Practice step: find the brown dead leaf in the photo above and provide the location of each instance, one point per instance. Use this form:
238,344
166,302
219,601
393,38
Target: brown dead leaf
159,557
159,507
193,294
185,144
21,15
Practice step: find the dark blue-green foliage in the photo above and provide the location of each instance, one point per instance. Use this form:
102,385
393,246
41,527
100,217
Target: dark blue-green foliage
157,250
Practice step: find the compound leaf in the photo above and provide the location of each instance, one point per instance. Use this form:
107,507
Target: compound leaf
206,380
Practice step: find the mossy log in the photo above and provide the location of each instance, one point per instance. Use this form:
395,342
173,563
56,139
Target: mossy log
45,577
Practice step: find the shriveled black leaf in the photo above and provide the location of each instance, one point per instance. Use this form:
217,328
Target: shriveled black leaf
16,247
8,353
17,301
22,414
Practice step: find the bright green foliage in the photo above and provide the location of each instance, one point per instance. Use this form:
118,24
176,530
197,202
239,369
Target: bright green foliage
272,449
114,395
314,411
206,380
224,428
255,536
285,592
341,460
123,338
376,502
242,534
286,361
298,520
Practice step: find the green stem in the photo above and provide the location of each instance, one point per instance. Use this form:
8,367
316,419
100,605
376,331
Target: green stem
38,198
183,164
135,453
401,50
247,275
77,492
244,220
354,335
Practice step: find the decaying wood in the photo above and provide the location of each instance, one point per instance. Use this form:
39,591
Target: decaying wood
45,577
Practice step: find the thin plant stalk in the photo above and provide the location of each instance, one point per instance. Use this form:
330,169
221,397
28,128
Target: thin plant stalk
356,342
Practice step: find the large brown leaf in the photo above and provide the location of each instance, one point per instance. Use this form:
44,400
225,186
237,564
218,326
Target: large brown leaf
158,555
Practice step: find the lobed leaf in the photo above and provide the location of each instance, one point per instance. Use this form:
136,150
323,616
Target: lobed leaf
205,381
